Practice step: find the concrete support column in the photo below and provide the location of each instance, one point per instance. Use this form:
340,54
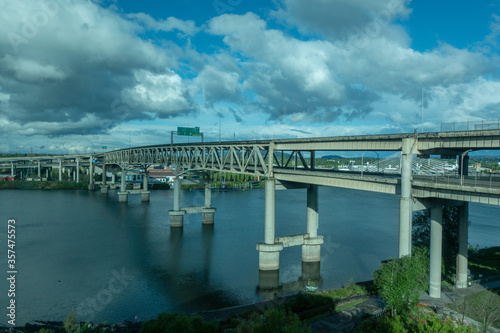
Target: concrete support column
91,174
60,170
77,170
463,236
47,173
177,215
145,184
177,193
39,169
311,250
145,188
405,209
269,255
208,194
12,169
269,211
207,216
436,251
123,194
103,174
104,186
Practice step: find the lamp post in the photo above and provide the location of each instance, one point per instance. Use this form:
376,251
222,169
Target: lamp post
462,166
422,105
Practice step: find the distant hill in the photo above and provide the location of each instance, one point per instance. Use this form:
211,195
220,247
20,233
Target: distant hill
331,157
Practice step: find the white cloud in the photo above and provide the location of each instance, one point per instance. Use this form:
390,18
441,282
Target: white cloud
162,93
281,68
340,18
72,63
170,24
308,69
31,71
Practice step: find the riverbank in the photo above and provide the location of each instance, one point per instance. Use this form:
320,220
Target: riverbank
42,185
318,312
303,307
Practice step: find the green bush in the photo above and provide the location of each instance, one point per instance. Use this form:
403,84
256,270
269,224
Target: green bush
175,322
417,323
274,320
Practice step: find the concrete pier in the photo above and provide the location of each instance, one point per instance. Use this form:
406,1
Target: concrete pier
145,191
177,215
269,252
208,214
60,170
311,250
77,170
462,255
405,209
436,251
91,174
145,196
104,186
123,194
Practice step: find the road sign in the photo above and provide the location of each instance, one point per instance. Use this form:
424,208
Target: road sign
188,131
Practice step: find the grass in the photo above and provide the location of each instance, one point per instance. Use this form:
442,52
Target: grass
314,306
485,261
341,308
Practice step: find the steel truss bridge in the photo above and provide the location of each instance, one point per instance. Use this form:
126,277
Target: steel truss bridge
291,163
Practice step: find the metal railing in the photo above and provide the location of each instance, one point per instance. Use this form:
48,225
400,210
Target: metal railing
477,180
470,126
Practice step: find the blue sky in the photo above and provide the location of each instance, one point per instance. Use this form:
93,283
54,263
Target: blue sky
76,75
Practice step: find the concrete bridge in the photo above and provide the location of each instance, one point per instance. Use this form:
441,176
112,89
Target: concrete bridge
290,163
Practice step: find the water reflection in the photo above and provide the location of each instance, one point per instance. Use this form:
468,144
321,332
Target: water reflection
269,286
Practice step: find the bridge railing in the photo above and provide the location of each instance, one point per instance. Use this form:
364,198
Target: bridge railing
476,180
471,126
250,158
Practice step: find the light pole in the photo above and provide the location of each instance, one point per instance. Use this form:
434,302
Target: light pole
462,166
422,106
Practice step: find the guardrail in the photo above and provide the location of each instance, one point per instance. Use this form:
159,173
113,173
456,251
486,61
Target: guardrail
471,126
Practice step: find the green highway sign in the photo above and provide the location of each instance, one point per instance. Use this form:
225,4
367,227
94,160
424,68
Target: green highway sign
189,131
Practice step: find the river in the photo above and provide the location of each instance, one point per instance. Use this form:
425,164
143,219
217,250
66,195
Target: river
114,262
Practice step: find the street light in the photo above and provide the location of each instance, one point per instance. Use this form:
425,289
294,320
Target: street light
462,166
422,105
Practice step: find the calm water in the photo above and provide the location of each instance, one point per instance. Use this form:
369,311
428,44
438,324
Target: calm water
109,261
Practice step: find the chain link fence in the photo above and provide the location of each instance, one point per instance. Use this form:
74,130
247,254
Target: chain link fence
470,126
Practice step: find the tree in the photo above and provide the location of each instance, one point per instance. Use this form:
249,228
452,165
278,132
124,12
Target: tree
400,281
485,308
71,324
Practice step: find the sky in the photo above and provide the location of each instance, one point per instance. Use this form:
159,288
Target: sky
77,75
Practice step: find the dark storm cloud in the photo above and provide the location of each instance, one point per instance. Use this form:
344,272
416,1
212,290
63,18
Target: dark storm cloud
69,64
